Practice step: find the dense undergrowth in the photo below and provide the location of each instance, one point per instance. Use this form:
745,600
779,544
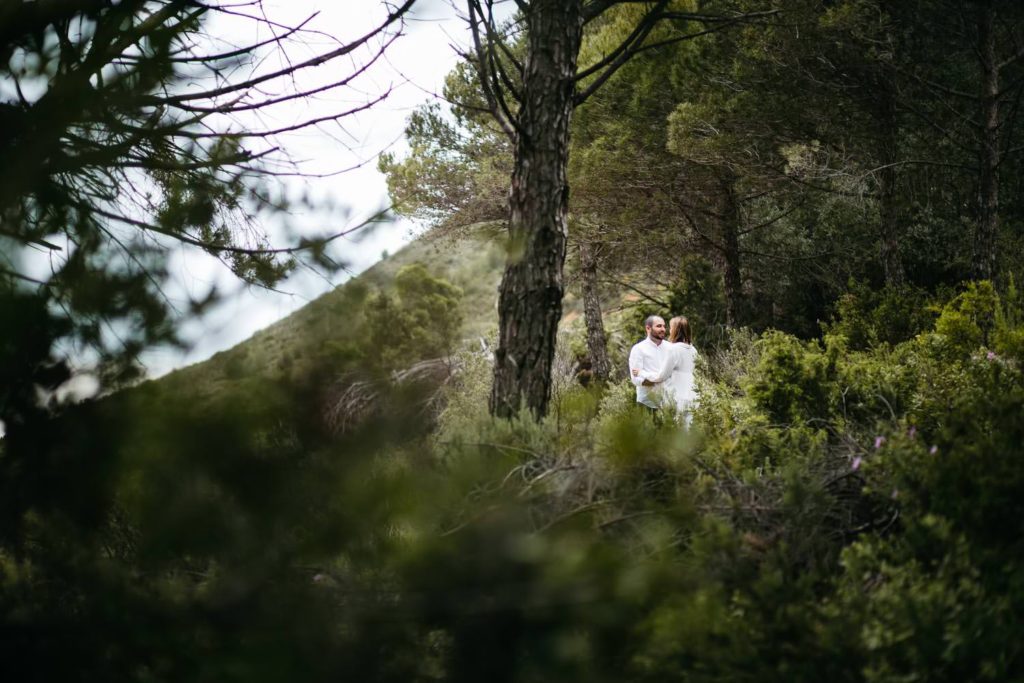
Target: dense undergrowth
843,509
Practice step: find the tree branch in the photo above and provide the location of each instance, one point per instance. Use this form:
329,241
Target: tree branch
291,69
646,25
622,53
305,245
498,108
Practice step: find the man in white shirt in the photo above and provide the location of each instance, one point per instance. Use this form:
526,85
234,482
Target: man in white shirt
648,356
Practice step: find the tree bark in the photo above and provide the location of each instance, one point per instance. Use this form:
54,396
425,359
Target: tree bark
730,245
889,250
597,343
986,233
530,298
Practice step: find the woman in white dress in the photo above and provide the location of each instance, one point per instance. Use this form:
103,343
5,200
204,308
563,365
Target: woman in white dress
677,372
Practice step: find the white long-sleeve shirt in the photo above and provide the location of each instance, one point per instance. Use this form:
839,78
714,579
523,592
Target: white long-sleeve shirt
676,376
649,358
679,357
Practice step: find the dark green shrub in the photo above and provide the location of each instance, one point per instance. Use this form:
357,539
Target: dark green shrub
867,318
966,323
794,381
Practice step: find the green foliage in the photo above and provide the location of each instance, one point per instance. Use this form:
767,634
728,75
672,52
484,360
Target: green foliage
967,321
833,512
867,318
935,601
794,381
422,320
697,294
1007,338
928,620
457,168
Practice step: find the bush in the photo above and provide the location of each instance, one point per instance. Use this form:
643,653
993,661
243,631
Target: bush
837,513
794,381
966,323
867,318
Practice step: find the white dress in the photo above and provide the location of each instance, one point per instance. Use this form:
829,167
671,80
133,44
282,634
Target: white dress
677,375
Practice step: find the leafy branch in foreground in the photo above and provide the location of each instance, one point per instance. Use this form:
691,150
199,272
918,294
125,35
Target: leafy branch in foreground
129,128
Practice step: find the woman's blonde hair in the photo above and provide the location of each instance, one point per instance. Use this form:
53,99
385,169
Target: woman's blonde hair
679,330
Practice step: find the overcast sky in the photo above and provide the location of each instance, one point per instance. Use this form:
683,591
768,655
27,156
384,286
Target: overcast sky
415,66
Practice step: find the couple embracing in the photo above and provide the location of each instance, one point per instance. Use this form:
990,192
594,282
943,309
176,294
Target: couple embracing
663,370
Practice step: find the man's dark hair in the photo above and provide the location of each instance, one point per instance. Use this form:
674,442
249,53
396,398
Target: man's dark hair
649,321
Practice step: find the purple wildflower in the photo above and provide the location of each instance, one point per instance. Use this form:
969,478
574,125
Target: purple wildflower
879,440
991,355
933,450
856,463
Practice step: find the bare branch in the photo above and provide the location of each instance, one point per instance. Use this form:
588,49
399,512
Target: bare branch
498,107
649,297
234,106
242,51
348,48
232,249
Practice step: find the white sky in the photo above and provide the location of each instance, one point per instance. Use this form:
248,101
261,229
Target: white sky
415,65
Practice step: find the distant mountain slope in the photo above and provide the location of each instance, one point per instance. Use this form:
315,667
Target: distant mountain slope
294,346
473,263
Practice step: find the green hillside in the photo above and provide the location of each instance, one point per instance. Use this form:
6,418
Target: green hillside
289,349
282,350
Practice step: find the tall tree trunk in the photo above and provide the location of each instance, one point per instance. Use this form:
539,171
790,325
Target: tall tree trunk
597,344
730,245
530,299
986,233
892,265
